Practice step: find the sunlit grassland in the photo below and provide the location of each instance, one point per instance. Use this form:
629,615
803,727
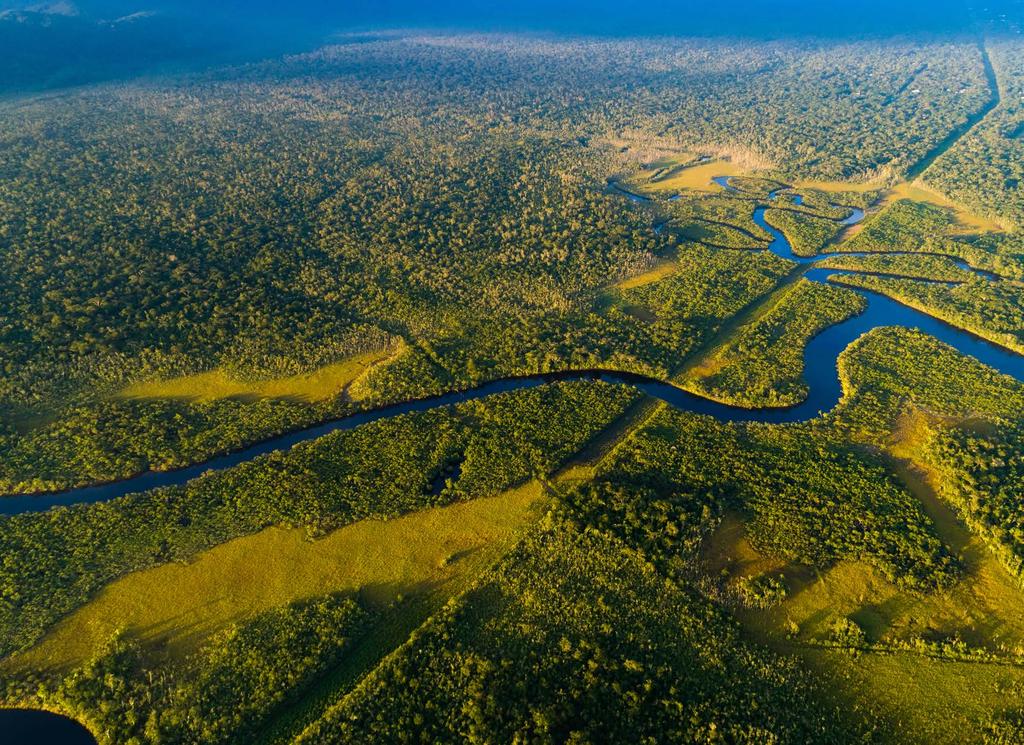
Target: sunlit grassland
919,192
919,699
915,191
911,691
173,608
985,608
666,164
656,274
657,178
322,384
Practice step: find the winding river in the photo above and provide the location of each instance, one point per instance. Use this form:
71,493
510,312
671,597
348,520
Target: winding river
820,371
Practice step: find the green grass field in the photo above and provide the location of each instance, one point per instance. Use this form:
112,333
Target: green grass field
320,385
173,608
920,700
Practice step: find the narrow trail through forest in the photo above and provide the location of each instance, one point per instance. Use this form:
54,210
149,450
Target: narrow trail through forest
944,146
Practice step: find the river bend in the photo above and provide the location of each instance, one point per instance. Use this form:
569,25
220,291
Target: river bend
821,373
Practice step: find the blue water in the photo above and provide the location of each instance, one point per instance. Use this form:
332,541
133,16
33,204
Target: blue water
820,371
34,727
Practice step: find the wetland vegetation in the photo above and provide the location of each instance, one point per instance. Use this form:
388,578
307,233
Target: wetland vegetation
195,264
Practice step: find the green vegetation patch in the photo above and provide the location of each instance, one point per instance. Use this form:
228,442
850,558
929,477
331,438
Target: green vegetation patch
921,266
226,690
762,364
574,638
982,473
710,286
916,226
55,561
808,234
171,608
722,219
812,499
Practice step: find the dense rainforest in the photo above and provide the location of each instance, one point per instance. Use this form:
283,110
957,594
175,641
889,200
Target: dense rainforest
199,262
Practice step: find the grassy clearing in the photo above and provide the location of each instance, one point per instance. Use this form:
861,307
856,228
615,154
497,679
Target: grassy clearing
983,610
911,692
173,608
667,163
915,191
729,552
320,385
692,178
919,192
921,700
656,274
986,608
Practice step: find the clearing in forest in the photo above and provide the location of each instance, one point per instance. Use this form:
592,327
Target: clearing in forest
696,177
914,191
174,607
919,192
320,385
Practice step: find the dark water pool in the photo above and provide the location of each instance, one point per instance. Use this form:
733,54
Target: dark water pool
34,727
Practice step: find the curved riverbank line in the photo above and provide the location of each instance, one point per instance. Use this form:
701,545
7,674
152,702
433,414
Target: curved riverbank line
38,726
821,356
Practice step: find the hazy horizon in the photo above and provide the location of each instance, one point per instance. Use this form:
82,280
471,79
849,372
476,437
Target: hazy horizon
57,44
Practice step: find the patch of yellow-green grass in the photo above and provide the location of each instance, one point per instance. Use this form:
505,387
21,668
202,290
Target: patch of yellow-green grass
921,700
658,273
326,383
692,178
915,191
919,192
985,608
173,608
729,553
